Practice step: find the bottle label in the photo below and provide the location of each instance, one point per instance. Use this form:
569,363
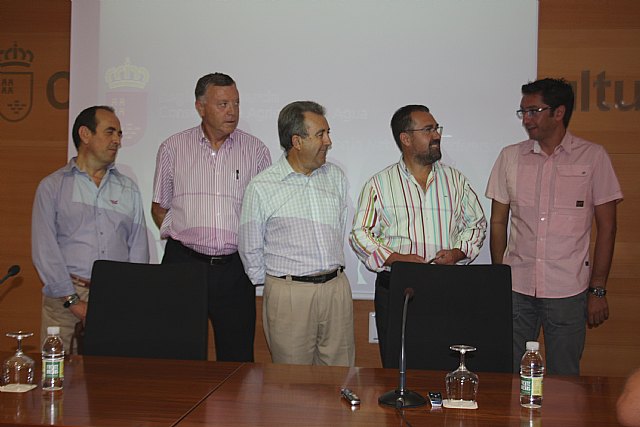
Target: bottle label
530,386
53,368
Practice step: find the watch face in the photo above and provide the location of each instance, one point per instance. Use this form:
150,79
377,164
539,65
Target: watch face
598,291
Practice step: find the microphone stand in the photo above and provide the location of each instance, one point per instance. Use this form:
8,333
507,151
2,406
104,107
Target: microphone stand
401,397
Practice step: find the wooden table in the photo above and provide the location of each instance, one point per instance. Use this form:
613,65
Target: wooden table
267,395
101,391
113,391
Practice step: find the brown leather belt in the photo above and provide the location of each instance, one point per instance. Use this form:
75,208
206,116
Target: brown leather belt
320,278
79,281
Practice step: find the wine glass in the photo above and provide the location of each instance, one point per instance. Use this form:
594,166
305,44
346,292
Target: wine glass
462,384
17,370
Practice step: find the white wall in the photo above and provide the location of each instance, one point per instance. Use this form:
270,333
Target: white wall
361,59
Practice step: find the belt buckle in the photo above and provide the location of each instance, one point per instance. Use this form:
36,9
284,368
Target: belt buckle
217,260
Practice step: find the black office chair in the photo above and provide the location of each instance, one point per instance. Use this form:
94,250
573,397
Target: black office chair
469,304
147,310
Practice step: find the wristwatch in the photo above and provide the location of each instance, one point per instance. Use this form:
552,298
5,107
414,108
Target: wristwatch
597,291
71,300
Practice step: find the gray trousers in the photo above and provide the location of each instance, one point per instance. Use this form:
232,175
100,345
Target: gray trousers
564,324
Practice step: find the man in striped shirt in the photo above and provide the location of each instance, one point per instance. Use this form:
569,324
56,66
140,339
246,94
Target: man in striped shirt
416,210
201,175
291,239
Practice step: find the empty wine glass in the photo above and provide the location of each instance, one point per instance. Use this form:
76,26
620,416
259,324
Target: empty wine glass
462,384
17,370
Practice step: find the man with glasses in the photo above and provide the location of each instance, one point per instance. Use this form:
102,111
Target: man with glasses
416,210
552,186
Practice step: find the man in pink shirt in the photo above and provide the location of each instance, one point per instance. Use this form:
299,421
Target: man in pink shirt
201,175
553,185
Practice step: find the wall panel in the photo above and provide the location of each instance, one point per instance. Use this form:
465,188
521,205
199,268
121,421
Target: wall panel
596,43
34,40
574,37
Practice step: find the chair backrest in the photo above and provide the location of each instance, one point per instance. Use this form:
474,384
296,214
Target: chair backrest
468,304
147,310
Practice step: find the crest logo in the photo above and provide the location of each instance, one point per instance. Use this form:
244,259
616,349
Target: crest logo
126,94
16,83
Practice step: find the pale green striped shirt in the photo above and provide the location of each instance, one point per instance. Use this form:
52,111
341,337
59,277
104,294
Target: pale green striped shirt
293,223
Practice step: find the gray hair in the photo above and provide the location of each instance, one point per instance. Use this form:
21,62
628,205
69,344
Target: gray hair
291,121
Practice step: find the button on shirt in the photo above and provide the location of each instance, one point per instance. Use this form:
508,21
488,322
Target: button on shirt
293,223
396,215
75,223
203,188
552,201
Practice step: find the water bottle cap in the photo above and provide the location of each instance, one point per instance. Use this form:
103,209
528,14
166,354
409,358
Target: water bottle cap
533,346
53,330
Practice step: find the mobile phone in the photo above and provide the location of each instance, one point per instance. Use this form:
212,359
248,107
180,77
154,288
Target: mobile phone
350,396
435,397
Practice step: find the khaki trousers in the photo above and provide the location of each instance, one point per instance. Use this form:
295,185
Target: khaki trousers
54,314
308,323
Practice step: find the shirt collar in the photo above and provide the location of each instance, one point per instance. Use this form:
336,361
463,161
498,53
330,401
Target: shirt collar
72,167
533,146
286,170
407,173
205,141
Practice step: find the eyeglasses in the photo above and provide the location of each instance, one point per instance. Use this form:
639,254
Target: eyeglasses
428,130
530,112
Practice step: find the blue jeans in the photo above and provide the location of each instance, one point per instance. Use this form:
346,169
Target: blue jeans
564,322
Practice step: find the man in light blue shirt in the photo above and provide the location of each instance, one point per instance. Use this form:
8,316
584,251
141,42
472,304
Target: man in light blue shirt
291,239
83,212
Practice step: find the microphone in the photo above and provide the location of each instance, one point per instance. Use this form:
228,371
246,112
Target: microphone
13,270
401,397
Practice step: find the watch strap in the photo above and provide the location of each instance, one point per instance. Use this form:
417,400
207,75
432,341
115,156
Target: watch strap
597,291
71,300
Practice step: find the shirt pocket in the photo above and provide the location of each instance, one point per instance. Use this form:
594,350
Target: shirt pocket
572,187
523,190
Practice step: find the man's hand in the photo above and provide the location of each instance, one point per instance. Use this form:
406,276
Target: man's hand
448,256
597,310
79,310
394,257
158,213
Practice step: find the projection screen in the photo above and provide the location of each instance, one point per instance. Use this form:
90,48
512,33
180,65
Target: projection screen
361,59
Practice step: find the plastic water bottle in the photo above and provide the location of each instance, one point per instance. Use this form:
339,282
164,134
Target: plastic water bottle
531,374
52,360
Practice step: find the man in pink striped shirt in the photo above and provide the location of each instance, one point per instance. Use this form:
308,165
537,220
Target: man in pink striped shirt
550,188
201,175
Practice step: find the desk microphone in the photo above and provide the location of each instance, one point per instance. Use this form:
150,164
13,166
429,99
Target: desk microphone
13,270
402,398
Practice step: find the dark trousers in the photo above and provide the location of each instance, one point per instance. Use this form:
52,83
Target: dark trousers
381,304
232,303
564,324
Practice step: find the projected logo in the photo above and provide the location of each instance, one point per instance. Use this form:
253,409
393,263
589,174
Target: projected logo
126,94
16,83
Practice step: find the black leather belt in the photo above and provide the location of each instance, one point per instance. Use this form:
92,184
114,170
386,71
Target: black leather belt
210,259
321,278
